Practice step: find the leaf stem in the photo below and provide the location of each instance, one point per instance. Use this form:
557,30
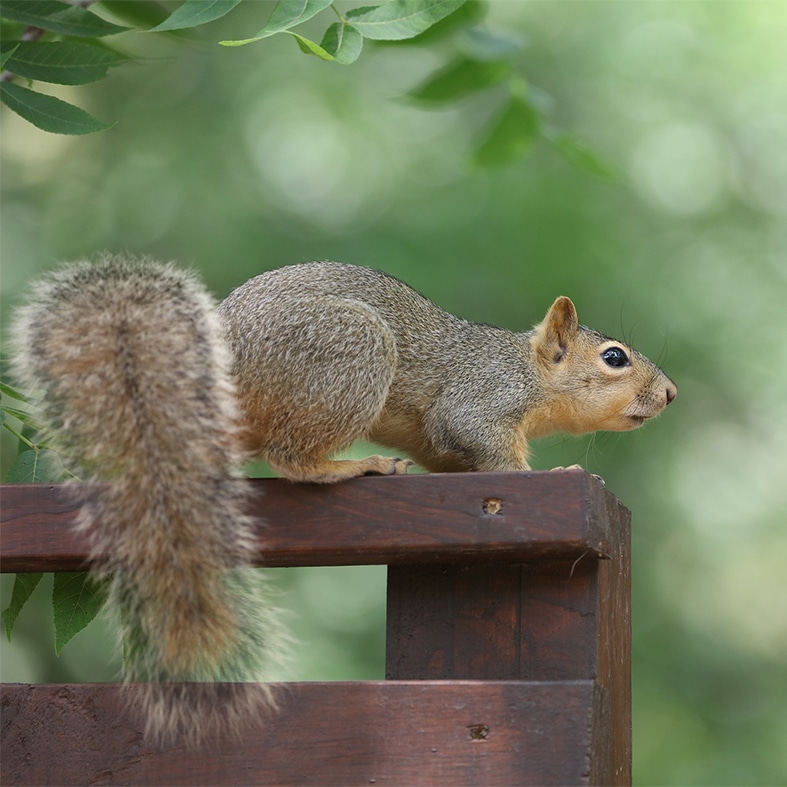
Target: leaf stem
19,436
338,13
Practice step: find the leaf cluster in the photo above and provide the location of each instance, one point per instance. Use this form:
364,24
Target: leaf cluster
396,20
55,42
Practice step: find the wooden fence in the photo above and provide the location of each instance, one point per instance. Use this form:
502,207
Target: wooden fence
508,643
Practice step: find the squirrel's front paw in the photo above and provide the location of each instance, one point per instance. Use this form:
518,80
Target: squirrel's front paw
386,465
579,467
393,466
400,466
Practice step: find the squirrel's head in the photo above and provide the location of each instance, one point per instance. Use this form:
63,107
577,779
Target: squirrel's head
593,382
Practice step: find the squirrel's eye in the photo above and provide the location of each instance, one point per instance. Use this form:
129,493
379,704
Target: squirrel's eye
615,357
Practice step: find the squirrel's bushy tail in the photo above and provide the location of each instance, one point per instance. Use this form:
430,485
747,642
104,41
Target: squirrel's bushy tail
138,393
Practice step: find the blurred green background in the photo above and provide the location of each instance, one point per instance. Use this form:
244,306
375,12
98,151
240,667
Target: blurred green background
237,161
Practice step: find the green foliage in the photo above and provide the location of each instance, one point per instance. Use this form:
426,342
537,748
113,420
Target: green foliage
395,20
341,43
58,17
64,62
24,585
48,112
41,48
576,151
61,47
76,600
6,56
400,19
511,136
286,15
460,78
194,13
37,466
17,418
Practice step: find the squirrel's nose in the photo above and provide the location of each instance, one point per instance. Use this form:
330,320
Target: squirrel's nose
672,392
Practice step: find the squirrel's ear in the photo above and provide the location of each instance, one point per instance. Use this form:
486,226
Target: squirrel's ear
556,330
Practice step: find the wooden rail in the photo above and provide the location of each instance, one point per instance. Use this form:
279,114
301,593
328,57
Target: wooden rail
508,642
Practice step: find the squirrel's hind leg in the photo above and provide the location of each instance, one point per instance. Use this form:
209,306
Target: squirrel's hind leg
316,386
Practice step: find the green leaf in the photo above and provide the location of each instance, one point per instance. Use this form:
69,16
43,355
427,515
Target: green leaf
13,393
289,13
460,78
36,467
140,13
195,12
483,44
344,42
76,599
470,13
341,43
6,56
49,113
511,136
397,20
311,48
63,62
286,14
575,151
21,415
59,17
24,585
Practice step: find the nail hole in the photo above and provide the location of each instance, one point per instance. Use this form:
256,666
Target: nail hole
478,732
492,505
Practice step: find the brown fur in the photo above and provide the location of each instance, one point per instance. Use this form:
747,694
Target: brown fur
138,393
326,353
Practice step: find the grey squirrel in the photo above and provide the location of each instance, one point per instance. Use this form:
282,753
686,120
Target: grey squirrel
157,393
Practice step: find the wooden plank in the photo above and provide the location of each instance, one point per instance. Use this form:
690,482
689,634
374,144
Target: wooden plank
379,733
612,729
393,520
549,619
504,622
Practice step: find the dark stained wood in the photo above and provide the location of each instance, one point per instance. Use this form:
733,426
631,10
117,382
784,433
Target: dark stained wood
378,733
393,520
548,619
612,728
504,622
508,643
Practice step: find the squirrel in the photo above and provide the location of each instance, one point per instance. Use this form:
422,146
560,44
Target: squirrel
325,353
160,395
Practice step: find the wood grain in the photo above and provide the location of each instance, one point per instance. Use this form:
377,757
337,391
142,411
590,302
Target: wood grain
378,733
393,520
